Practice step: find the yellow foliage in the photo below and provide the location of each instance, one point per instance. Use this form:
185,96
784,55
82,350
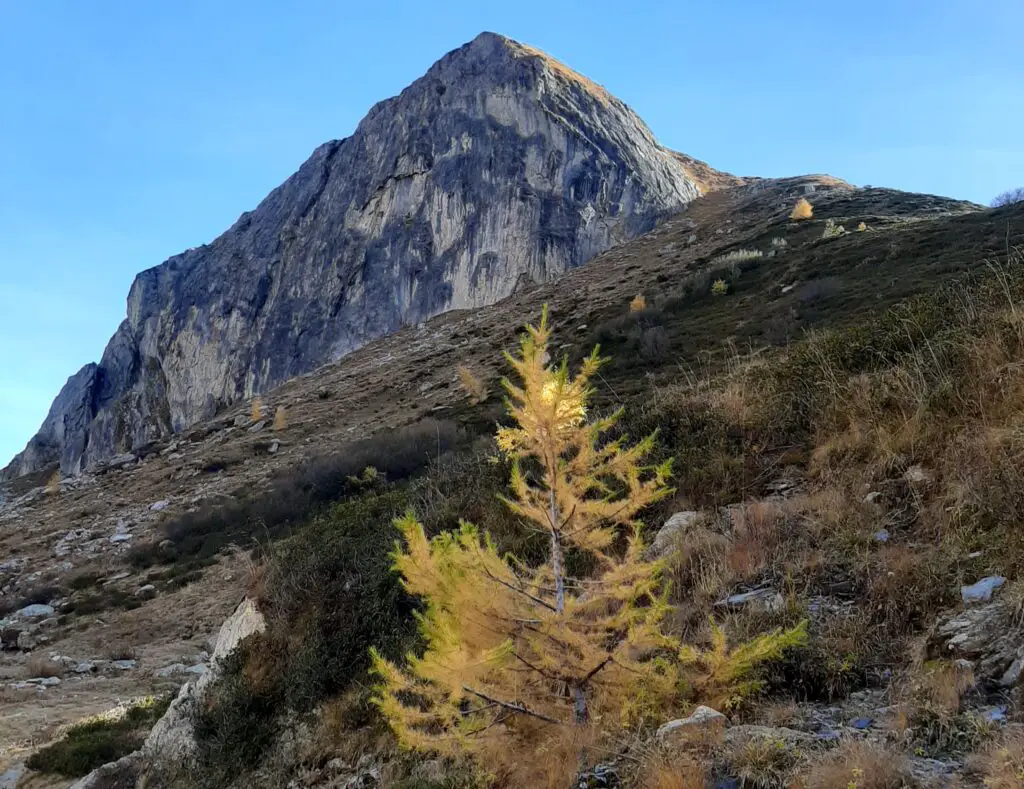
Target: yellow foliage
861,227
719,287
280,418
475,388
722,675
802,210
638,304
524,664
53,482
256,412
521,652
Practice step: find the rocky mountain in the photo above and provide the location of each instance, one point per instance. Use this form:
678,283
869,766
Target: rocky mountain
499,167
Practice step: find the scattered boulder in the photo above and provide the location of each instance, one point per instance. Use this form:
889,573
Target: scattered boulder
120,461
600,776
766,599
258,426
169,671
116,538
159,506
701,718
124,665
882,535
36,611
738,735
873,497
917,474
146,592
669,533
988,635
10,778
122,774
981,591
46,682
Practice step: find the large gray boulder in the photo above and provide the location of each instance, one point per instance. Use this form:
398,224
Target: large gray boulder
499,166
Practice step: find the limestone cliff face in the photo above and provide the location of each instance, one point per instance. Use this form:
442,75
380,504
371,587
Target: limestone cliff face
499,165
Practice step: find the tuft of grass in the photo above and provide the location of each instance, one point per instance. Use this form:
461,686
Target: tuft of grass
737,256
256,409
122,652
638,304
96,741
280,419
472,385
763,762
719,287
1002,764
38,666
860,765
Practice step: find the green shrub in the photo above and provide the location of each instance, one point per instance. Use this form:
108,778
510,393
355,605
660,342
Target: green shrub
197,538
328,594
93,743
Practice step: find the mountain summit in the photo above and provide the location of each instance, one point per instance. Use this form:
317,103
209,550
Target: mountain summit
499,166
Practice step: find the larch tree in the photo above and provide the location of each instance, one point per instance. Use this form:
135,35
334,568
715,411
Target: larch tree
508,646
515,655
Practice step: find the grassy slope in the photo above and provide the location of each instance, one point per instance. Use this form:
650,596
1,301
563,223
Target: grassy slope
733,428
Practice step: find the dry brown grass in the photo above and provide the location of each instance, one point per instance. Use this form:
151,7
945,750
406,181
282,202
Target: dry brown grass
1002,765
757,536
673,773
256,409
280,418
39,666
474,387
859,765
802,210
638,303
764,762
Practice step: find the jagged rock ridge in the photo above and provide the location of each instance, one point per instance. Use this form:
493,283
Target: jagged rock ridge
498,166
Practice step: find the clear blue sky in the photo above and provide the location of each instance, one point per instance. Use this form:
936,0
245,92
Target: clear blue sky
131,130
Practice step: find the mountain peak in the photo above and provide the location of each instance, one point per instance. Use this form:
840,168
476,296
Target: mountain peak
500,165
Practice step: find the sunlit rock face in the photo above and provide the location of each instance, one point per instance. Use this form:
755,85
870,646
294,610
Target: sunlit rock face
499,166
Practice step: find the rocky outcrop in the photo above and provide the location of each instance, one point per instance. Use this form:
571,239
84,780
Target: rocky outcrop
172,739
990,636
499,166
171,742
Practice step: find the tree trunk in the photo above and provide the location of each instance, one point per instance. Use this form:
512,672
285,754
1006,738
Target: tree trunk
556,558
579,706
579,698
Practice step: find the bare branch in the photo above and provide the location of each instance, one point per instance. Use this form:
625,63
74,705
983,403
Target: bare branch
511,706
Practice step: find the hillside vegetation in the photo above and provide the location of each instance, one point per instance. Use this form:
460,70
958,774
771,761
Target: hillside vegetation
839,397
860,475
